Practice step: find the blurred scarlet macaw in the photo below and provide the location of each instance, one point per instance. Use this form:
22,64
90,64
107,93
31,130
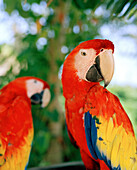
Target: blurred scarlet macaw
16,126
96,121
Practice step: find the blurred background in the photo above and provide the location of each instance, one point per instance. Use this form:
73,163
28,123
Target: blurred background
35,38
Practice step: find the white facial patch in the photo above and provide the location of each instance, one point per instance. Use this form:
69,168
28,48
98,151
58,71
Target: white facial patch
33,86
83,61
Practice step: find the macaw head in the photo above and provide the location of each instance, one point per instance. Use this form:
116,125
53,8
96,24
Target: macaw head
92,61
37,90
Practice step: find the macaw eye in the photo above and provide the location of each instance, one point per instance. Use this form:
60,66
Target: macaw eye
83,53
101,49
35,81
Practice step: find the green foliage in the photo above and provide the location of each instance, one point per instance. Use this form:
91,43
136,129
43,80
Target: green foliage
115,6
82,4
118,6
42,140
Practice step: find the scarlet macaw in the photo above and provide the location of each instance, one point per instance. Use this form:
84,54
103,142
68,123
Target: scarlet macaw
96,121
16,125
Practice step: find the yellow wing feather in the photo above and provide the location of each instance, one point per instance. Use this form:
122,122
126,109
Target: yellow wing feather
18,158
116,145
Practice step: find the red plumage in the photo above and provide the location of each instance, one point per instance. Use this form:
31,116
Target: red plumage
105,110
16,124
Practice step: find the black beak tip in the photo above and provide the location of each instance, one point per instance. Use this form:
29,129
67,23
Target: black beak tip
106,84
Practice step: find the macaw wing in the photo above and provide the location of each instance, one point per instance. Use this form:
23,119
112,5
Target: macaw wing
73,141
16,134
107,138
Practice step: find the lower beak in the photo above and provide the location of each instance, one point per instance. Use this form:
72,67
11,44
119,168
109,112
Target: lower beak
103,68
46,97
42,98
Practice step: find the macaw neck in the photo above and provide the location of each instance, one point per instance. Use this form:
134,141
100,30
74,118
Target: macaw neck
75,89
11,91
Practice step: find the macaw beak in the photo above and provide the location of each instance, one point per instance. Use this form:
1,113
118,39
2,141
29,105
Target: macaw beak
42,98
103,68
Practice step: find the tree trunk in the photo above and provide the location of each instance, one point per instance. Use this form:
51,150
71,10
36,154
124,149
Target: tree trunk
55,153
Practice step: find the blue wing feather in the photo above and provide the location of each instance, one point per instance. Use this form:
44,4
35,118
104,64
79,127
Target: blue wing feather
90,130
91,137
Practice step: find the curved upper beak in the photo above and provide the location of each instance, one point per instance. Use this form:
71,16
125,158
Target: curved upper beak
42,98
103,69
107,66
